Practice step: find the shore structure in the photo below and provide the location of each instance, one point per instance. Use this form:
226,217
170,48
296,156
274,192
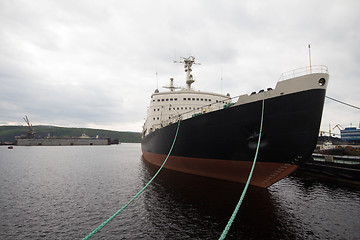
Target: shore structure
30,139
61,141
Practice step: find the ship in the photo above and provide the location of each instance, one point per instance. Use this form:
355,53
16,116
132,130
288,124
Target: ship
217,136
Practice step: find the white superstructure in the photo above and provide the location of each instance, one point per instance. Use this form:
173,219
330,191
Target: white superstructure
167,107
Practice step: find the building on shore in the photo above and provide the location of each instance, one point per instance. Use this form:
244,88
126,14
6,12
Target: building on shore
351,135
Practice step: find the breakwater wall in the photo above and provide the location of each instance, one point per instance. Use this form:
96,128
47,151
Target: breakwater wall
62,141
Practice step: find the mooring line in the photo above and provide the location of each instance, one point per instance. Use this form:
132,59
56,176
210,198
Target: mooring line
231,220
347,104
119,211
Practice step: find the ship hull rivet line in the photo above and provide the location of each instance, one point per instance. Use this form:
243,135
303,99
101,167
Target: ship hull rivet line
232,218
120,210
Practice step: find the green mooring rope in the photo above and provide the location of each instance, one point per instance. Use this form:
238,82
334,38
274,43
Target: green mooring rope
119,211
231,220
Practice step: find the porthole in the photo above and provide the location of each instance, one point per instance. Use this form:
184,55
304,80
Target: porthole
322,81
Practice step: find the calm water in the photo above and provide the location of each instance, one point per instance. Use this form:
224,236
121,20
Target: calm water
66,192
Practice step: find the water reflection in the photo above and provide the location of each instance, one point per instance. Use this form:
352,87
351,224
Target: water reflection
321,208
187,206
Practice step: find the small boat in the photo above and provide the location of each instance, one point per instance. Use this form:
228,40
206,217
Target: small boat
329,148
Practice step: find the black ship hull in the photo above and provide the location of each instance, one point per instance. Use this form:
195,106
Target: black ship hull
222,144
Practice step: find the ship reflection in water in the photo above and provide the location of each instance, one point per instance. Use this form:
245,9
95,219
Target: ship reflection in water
298,207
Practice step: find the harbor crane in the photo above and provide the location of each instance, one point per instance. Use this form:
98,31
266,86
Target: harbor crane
31,132
338,126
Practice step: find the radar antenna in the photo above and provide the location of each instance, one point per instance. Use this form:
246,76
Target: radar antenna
171,87
188,62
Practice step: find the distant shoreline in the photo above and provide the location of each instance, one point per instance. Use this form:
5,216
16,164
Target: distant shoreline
8,133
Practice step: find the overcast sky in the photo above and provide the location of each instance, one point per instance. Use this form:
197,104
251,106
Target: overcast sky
94,63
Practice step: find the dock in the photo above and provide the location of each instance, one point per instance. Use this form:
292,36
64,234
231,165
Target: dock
337,166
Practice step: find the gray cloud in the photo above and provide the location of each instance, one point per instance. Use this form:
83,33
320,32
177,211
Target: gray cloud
94,63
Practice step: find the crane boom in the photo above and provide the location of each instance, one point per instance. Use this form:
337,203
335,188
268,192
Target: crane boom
31,132
338,126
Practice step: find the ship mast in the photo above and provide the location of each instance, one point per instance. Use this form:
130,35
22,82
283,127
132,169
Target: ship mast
188,62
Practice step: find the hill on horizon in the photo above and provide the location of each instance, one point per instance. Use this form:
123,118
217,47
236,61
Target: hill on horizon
7,133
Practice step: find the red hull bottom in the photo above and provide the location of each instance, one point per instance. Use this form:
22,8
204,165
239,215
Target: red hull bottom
264,175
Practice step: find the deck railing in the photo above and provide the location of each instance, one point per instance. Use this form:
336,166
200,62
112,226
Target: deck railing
196,112
303,71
